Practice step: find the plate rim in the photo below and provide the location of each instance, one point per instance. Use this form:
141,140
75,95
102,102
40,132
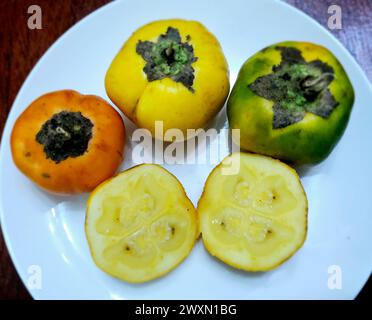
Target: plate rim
7,238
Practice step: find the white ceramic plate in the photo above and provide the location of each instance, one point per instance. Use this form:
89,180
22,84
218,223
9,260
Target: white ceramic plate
47,231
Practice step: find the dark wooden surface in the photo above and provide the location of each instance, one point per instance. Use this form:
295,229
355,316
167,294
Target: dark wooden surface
20,49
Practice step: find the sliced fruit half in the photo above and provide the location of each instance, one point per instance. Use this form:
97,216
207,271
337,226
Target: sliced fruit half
254,216
140,224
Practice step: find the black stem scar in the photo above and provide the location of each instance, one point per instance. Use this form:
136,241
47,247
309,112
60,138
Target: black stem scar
65,134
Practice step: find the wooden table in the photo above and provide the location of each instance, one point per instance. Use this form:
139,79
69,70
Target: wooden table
20,49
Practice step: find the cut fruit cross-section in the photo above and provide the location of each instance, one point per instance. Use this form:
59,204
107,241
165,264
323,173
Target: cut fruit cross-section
256,218
140,224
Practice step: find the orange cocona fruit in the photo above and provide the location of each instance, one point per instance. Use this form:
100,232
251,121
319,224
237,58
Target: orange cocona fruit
67,142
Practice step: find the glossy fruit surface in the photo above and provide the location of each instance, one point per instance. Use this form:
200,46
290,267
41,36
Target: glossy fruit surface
67,142
291,101
172,71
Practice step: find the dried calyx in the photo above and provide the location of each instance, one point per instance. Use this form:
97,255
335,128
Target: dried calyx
65,134
168,57
296,87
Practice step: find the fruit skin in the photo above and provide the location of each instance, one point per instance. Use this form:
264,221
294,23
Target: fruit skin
203,202
145,102
194,229
306,142
75,174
